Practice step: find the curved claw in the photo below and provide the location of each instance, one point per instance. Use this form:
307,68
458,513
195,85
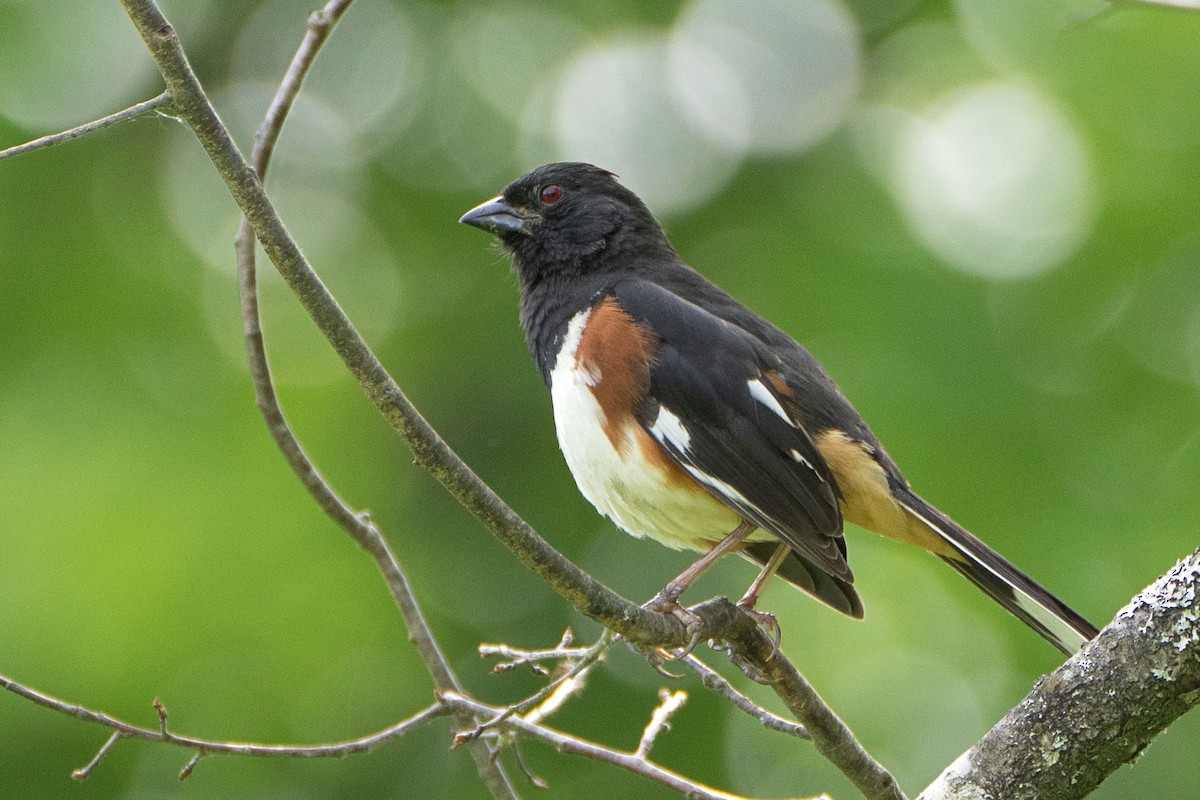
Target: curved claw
768,624
749,670
691,622
656,659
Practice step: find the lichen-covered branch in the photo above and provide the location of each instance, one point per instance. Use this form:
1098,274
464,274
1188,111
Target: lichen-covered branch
1097,711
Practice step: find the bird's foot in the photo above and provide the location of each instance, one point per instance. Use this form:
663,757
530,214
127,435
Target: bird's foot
666,603
750,670
767,624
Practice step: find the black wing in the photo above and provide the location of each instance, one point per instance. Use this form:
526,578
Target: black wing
715,409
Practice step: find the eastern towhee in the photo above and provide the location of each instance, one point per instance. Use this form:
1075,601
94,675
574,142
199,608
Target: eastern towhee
688,418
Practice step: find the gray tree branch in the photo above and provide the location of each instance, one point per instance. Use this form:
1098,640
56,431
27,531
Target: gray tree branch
162,102
450,703
721,619
635,762
127,730
1097,711
358,526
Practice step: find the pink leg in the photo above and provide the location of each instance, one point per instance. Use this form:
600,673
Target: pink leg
750,599
672,591
766,621
667,601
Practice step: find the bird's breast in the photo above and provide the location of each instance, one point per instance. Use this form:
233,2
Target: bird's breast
599,381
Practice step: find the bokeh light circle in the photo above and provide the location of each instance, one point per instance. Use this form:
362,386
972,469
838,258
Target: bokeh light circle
505,51
372,78
65,63
613,107
996,181
787,71
354,261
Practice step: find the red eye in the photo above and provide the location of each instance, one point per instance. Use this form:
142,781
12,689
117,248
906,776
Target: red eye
551,194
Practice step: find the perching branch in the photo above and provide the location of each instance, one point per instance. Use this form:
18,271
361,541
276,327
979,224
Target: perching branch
162,101
719,620
1097,711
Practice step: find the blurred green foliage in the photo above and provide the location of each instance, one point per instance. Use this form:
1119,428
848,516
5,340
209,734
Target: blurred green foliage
155,545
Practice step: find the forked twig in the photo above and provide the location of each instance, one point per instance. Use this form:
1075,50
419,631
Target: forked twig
549,698
714,681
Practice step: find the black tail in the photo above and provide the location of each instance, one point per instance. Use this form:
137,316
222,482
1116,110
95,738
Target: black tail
1023,597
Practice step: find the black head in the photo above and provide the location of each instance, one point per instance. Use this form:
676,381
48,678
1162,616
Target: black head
569,217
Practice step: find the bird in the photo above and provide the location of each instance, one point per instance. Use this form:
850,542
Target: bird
689,419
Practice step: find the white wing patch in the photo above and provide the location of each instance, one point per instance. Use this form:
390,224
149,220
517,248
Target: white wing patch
669,428
763,395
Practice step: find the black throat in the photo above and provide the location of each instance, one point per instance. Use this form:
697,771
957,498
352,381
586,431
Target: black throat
548,302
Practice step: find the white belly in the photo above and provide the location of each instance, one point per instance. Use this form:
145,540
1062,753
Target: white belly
618,481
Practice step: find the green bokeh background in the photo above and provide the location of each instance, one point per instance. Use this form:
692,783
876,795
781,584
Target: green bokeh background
153,543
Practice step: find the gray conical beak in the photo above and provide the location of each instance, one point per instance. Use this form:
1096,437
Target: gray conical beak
498,217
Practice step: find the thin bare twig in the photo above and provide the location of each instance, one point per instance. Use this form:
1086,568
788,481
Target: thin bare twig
519,657
566,743
716,682
549,698
162,716
668,703
357,525
127,730
186,771
83,772
570,686
95,125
